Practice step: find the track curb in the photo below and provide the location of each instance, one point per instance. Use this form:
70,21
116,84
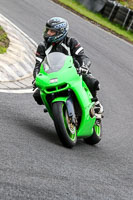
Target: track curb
16,65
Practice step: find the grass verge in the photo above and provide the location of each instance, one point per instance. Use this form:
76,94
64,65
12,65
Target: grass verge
4,41
97,19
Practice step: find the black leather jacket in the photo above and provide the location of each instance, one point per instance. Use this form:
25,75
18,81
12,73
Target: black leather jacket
68,46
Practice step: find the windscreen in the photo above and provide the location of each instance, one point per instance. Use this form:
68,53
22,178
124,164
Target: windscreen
53,62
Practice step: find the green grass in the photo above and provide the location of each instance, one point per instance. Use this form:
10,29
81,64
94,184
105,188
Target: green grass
2,50
4,41
98,18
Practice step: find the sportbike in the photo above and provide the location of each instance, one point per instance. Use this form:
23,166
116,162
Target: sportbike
68,101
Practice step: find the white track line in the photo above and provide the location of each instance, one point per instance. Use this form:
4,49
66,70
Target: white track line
20,91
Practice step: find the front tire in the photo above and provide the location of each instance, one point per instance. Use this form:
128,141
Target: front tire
66,131
96,136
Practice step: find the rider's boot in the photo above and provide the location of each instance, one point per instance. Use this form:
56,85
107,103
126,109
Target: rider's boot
37,96
98,108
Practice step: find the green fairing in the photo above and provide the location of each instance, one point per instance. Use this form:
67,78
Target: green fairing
66,78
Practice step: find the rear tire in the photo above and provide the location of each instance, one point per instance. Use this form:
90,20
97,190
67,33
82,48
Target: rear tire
66,132
97,135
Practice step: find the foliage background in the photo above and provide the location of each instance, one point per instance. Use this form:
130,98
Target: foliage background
128,3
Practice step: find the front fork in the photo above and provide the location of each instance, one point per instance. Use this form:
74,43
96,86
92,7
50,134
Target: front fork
70,110
68,101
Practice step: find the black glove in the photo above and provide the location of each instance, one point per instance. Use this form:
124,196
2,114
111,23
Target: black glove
83,70
36,71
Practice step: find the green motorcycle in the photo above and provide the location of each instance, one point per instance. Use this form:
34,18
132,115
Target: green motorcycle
68,100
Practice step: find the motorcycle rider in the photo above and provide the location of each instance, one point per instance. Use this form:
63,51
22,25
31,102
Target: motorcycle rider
56,40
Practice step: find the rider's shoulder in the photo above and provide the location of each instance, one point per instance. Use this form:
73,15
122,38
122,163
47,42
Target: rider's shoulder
72,42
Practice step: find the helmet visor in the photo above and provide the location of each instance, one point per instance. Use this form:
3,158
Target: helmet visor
49,32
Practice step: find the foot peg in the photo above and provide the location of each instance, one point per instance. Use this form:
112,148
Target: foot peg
45,110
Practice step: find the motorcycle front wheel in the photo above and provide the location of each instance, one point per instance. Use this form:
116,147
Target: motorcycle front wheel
65,129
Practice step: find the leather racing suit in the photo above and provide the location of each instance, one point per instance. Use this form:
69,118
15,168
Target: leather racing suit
69,46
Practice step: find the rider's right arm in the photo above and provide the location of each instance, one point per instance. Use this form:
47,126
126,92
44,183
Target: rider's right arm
40,55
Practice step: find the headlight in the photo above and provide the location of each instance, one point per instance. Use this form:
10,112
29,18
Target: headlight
54,80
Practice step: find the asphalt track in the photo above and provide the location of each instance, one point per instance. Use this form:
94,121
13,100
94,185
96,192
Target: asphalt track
33,163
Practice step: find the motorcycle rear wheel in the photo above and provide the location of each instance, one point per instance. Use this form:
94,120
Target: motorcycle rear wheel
66,131
96,136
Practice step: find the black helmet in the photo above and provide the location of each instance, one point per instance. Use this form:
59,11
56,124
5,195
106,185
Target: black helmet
60,26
